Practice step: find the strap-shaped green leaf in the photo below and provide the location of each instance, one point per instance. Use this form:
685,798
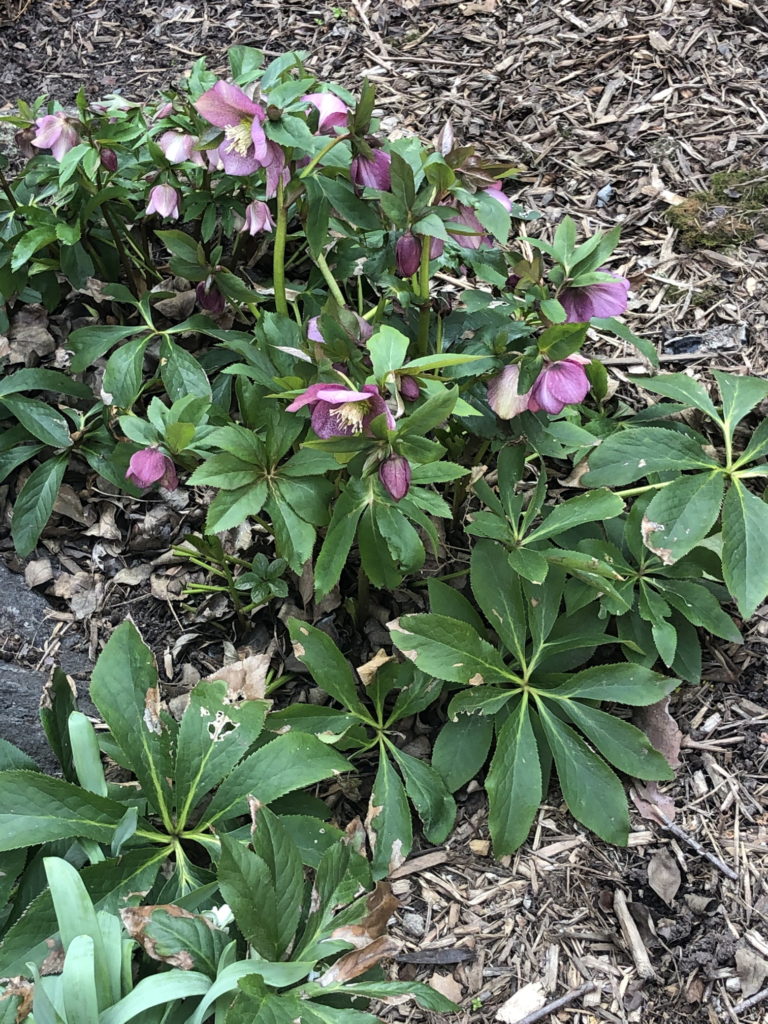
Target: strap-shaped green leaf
389,821
330,669
461,747
277,849
592,507
247,885
35,502
428,794
740,394
682,388
497,590
514,783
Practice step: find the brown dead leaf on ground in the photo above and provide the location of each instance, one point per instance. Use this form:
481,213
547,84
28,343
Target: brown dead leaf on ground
525,1001
649,800
664,875
28,336
381,905
447,986
358,961
661,729
246,679
37,572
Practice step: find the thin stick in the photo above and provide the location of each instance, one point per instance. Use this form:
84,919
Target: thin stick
632,936
747,1004
558,1004
676,831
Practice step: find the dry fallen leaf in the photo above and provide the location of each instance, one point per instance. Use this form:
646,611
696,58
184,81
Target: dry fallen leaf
664,875
447,986
527,999
661,729
38,572
652,804
358,961
478,7
246,679
367,672
381,906
29,336
133,575
752,970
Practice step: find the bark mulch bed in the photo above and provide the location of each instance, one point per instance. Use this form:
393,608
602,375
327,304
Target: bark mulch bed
614,112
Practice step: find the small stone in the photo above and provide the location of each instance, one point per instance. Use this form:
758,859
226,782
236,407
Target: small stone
413,923
480,847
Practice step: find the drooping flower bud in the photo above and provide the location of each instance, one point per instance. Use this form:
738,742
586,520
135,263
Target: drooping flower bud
178,147
164,199
108,159
332,111
373,173
408,387
150,466
395,476
408,254
210,298
559,384
257,218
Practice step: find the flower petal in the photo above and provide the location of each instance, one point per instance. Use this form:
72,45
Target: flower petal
225,104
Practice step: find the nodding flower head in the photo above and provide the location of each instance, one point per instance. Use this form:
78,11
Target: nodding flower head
257,218
57,133
244,149
178,147
332,111
373,173
606,298
150,466
164,200
395,476
559,384
338,411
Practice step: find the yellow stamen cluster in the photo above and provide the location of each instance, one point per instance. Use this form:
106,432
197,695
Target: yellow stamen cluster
351,414
239,136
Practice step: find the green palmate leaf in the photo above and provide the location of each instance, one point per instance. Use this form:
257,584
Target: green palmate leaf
701,608
745,567
449,649
740,395
42,422
497,591
123,376
338,540
90,343
388,348
624,683
124,689
622,744
215,734
428,794
35,502
513,783
757,445
377,563
15,457
181,373
586,508
248,886
681,515
633,453
593,793
681,388
230,508
277,849
461,748
38,809
285,764
294,537
389,821
277,975
330,669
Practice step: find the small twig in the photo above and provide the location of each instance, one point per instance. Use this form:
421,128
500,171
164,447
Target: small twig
558,1004
632,936
678,833
747,1004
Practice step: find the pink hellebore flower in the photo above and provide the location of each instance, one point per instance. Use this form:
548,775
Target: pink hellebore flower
55,132
407,254
338,411
277,169
257,218
560,384
502,393
164,199
244,149
178,147
467,218
150,466
373,173
333,112
395,476
607,298
495,192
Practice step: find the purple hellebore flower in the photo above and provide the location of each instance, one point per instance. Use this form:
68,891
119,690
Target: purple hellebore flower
257,218
495,192
210,298
436,248
164,199
108,160
55,132
395,476
150,466
338,411
606,298
502,393
333,112
407,254
467,218
373,173
178,147
559,384
162,111
244,149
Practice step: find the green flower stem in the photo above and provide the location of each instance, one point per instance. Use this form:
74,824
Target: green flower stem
423,293
278,257
8,191
326,149
330,280
631,492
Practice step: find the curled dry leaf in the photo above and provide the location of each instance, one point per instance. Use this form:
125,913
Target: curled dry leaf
29,336
358,961
367,672
381,904
38,572
24,990
664,875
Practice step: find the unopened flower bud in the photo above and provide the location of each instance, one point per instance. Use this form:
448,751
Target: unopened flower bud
373,173
209,298
164,199
408,254
108,158
408,387
395,476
